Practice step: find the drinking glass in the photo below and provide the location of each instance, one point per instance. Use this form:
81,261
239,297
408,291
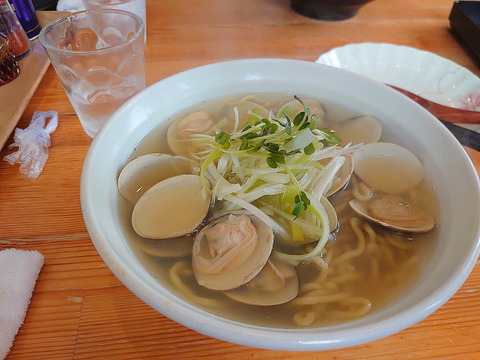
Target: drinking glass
99,57
135,6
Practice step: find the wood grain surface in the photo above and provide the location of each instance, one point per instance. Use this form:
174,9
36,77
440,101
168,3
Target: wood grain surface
79,310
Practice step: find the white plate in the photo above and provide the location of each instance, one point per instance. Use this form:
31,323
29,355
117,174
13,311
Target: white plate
428,75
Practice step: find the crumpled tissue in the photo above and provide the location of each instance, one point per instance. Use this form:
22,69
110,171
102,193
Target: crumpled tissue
33,143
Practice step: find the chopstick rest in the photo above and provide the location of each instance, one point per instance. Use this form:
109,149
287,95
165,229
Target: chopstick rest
19,270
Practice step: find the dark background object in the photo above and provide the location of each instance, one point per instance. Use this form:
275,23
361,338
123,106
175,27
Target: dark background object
465,23
45,4
328,10
464,136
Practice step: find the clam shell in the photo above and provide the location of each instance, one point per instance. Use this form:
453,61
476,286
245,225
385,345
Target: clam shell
143,172
245,116
168,248
171,208
388,167
235,277
180,131
281,275
424,223
342,177
362,129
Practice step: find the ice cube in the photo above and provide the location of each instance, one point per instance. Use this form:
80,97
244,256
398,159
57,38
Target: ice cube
112,35
86,39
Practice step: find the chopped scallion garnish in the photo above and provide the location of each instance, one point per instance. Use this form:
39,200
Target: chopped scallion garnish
271,164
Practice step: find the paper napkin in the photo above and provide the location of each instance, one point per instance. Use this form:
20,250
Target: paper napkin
19,270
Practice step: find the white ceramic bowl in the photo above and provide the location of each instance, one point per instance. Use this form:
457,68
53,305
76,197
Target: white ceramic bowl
444,159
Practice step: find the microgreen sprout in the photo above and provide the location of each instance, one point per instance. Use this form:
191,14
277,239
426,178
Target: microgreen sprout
330,138
309,149
301,204
288,125
270,166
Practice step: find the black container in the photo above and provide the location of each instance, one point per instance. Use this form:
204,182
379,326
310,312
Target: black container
45,4
465,23
328,10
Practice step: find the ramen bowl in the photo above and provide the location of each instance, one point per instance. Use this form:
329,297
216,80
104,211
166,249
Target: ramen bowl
447,266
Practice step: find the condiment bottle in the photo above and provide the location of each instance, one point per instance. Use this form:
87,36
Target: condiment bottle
11,28
25,12
9,68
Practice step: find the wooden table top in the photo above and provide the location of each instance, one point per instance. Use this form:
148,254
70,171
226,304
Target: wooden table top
79,309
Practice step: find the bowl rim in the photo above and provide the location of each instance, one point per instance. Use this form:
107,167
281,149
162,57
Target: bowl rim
330,337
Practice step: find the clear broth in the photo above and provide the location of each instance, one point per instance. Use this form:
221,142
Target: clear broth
390,281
